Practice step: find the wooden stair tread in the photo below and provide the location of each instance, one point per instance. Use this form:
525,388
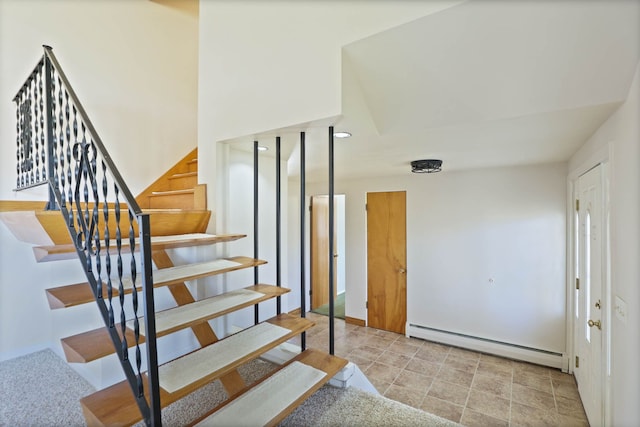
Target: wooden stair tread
81,293
92,345
115,405
183,175
68,251
269,401
172,192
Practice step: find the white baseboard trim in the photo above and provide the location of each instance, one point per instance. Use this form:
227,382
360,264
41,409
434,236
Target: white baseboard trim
502,349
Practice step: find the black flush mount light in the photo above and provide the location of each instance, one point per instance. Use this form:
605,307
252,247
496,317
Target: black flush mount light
426,166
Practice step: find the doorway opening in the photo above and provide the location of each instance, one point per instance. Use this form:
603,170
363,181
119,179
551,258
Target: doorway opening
319,289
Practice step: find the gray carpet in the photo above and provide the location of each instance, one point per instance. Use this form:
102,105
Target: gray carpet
40,389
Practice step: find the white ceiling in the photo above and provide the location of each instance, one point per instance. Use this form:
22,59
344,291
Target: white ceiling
482,84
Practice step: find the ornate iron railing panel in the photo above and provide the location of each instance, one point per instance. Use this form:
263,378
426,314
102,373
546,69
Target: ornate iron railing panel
57,143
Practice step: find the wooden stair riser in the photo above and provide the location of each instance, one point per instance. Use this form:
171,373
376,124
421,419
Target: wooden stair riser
172,201
194,198
183,181
192,166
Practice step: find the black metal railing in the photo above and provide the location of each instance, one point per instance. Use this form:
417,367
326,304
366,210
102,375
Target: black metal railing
57,144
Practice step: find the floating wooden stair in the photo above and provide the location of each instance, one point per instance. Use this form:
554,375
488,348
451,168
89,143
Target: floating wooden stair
270,401
81,293
62,252
178,378
178,216
92,345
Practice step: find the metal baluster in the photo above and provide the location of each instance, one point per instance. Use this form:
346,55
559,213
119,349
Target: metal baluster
303,260
134,295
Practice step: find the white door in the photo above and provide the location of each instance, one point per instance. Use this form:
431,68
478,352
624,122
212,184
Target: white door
588,310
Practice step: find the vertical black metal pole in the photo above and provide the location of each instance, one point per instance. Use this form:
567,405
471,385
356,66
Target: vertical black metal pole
256,314
51,204
150,320
303,288
278,227
331,236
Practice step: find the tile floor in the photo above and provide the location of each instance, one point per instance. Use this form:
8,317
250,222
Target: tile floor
470,388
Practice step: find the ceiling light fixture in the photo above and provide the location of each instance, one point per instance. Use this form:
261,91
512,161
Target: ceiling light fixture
426,166
262,148
342,134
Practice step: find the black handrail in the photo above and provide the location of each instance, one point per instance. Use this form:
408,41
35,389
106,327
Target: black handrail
59,145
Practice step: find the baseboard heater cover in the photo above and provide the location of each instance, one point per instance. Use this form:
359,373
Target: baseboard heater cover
485,345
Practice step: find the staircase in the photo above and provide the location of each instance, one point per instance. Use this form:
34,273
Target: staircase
107,228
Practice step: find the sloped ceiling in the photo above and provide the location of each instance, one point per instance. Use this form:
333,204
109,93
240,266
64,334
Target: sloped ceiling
483,84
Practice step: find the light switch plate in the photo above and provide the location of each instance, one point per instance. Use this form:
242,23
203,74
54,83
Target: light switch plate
620,307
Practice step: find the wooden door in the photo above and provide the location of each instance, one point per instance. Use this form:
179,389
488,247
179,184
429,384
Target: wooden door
320,252
387,261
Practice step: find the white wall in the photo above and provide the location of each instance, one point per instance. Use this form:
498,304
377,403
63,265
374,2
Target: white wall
134,66
464,228
266,65
132,63
236,216
618,139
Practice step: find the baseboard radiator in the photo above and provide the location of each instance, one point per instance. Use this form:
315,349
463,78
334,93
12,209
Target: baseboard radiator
483,345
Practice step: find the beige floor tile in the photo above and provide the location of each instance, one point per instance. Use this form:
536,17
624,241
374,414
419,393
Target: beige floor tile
380,385
471,418
464,353
455,376
461,364
495,370
570,407
408,396
413,380
492,385
565,421
404,348
378,342
457,384
558,375
527,416
423,367
362,362
408,340
442,408
393,359
489,404
565,389
368,352
533,381
532,369
496,359
532,397
432,355
383,372
435,346
449,392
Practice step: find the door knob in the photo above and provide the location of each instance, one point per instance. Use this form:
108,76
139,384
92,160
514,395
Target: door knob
591,324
